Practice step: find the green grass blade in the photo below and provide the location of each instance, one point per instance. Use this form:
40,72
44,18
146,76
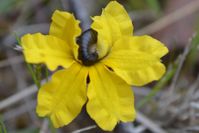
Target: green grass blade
52,129
35,73
2,127
169,74
195,48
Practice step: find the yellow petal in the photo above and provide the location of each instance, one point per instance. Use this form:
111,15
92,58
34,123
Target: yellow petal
110,98
63,97
52,51
149,45
119,14
136,62
66,27
113,23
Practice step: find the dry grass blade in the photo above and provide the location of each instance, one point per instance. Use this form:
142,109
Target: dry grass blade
181,60
18,97
180,64
21,82
152,126
11,39
175,16
84,129
130,128
16,112
44,126
14,60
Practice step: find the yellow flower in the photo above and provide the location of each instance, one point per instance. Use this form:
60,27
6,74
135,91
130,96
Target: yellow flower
100,76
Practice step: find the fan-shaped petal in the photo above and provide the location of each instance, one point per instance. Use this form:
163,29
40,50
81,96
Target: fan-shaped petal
63,97
110,98
52,51
137,59
66,27
113,23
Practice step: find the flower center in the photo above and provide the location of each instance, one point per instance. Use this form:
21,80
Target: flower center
87,52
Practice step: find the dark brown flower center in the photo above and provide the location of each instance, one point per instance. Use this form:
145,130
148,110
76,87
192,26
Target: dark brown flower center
87,47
